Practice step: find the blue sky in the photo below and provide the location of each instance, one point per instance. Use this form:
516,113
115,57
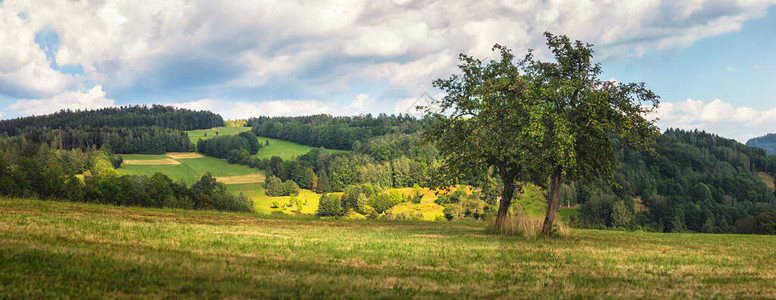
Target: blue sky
710,61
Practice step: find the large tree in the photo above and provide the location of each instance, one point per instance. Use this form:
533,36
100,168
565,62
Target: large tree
478,124
539,121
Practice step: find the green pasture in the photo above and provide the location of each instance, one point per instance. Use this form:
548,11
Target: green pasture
283,149
74,250
190,169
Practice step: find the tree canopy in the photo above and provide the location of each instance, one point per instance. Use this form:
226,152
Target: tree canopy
535,120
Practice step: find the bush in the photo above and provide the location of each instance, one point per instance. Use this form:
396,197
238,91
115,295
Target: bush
386,200
274,187
329,205
370,212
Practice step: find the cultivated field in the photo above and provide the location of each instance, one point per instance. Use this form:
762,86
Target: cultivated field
283,149
71,250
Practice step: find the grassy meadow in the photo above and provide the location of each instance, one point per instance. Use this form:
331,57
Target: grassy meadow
283,149
74,250
188,169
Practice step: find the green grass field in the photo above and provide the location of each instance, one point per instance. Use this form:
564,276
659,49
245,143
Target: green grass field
190,170
72,250
195,135
283,149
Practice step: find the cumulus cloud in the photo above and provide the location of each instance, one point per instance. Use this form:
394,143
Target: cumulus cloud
246,109
303,50
720,117
80,99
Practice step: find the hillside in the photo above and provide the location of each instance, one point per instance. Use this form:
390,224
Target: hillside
766,142
280,148
695,181
62,249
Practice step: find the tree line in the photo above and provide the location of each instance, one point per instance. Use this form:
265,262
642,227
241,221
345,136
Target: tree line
122,140
125,116
333,132
236,148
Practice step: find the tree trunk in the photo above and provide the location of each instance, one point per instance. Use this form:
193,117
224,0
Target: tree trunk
506,198
552,202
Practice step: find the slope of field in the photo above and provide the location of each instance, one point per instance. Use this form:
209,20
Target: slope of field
188,169
283,149
71,250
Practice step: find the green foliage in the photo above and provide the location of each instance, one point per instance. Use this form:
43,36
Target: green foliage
236,148
695,182
332,132
765,223
330,205
561,115
275,187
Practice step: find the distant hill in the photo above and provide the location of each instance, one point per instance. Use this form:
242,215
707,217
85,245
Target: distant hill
116,117
767,142
696,181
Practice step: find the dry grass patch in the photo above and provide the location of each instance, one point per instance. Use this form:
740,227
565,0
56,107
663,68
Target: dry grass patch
768,179
184,155
152,162
254,234
252,178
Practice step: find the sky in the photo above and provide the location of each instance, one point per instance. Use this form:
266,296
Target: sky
711,62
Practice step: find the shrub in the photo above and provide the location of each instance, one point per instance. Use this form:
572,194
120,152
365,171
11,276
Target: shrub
329,205
370,212
275,187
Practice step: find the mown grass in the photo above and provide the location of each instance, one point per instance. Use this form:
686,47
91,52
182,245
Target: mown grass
70,250
190,169
280,148
196,135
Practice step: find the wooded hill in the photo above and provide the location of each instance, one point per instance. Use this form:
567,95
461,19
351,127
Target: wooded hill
766,142
695,181
132,129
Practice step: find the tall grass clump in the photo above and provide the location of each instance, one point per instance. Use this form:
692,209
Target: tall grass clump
525,226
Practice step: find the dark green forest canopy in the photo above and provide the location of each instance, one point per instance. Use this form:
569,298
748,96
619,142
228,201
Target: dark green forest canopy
696,182
331,132
126,116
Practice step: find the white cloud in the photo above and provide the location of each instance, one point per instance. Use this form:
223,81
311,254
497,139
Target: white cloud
740,123
245,109
322,47
24,68
75,100
362,103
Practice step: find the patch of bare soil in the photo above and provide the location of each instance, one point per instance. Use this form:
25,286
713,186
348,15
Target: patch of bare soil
253,178
183,155
152,162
